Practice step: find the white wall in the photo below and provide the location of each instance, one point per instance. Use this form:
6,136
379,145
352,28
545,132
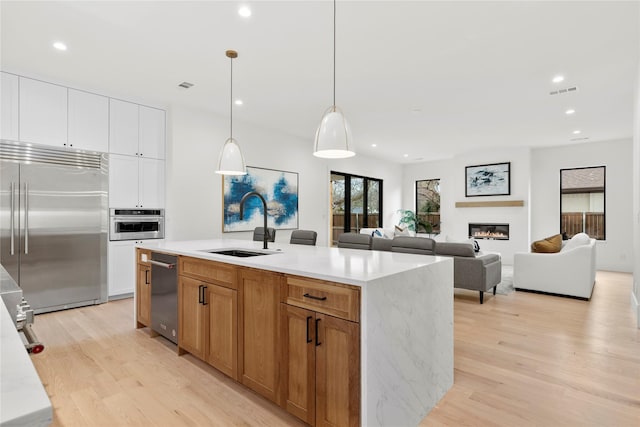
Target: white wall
635,296
616,252
194,191
455,221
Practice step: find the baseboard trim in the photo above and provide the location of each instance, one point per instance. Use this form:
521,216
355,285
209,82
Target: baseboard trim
552,294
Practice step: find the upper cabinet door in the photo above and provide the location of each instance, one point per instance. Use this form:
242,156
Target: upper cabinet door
152,132
123,181
123,127
9,106
151,183
88,121
43,113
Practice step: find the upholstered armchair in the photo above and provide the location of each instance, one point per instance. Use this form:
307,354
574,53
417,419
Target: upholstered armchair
570,272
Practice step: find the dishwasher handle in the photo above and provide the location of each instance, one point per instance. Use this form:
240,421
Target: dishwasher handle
162,264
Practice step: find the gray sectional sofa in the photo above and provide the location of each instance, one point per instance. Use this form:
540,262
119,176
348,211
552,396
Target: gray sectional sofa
478,272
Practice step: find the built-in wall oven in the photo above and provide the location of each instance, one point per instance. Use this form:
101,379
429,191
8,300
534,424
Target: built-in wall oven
136,224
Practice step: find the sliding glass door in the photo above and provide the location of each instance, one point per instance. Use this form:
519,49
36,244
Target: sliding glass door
356,202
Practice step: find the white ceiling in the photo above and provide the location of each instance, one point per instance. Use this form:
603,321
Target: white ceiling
423,78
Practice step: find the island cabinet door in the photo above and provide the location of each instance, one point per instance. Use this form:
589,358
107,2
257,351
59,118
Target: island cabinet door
298,362
258,332
337,372
143,296
191,316
222,337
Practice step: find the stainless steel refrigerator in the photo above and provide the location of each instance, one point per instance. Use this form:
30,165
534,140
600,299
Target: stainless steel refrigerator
53,224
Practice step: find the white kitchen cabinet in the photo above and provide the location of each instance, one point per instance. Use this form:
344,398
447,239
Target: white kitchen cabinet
151,183
135,182
43,113
9,90
151,142
123,127
136,130
88,121
123,181
122,266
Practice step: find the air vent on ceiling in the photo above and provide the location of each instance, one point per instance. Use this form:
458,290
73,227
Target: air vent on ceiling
565,90
185,85
579,139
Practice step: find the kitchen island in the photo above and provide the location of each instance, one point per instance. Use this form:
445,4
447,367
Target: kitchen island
399,308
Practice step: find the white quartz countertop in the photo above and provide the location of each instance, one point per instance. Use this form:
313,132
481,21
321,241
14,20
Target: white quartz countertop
350,266
23,400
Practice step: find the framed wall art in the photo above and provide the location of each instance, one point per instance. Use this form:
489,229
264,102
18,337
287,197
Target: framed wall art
280,190
488,180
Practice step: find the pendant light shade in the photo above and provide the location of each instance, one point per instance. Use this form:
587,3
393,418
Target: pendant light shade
231,160
333,137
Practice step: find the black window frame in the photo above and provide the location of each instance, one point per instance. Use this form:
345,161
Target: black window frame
604,203
365,200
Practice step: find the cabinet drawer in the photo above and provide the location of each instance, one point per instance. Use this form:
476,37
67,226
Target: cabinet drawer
324,297
143,256
209,271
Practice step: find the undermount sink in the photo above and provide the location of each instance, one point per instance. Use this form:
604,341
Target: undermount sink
237,252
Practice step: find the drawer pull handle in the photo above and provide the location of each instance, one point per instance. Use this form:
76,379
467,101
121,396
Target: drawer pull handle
314,297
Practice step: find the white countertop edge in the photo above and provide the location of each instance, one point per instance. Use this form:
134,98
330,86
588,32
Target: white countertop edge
309,261
23,399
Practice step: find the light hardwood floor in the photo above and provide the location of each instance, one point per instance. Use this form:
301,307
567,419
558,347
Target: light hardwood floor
520,360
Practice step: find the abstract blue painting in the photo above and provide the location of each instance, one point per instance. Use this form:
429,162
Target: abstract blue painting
280,190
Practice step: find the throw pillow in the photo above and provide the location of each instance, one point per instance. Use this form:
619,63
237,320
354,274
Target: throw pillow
548,246
577,240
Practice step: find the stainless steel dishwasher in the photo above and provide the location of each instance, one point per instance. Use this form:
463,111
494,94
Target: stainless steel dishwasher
164,295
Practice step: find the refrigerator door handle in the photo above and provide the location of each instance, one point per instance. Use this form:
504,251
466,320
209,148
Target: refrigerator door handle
26,218
13,215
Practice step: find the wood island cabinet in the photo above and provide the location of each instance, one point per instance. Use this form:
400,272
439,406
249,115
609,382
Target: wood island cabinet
320,379
294,340
207,313
259,319
143,289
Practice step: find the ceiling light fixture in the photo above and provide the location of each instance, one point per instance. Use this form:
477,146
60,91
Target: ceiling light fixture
577,132
238,102
558,79
244,11
231,161
570,111
60,46
333,137
374,145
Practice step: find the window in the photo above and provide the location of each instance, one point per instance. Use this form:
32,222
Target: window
428,206
582,201
356,202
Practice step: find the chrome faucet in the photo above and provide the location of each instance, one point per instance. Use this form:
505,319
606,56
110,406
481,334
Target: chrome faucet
265,237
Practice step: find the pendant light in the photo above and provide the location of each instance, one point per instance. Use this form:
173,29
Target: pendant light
333,137
231,161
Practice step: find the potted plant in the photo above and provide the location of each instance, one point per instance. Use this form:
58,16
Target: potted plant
409,219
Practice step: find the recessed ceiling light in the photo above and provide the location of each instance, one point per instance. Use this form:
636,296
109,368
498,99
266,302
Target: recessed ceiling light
558,79
238,102
576,132
405,155
244,11
60,46
374,145
570,111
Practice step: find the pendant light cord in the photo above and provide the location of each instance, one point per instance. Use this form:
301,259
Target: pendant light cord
231,103
334,53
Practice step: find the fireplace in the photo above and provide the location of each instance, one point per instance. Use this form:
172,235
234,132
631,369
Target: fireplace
489,231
